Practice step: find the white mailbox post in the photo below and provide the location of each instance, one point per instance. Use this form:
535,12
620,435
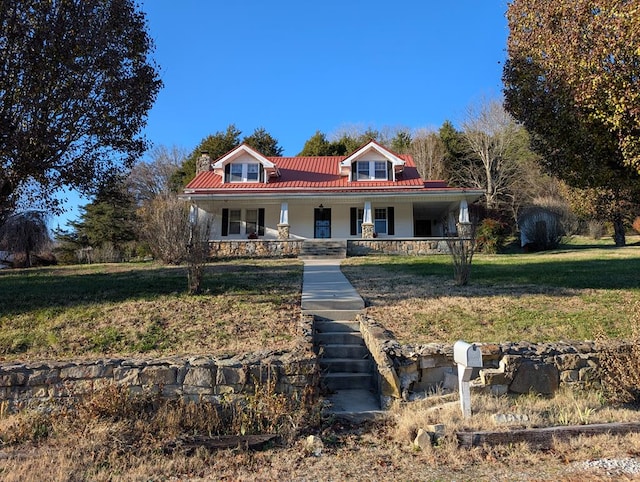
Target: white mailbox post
468,357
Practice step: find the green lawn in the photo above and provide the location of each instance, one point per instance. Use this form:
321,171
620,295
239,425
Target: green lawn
577,292
125,309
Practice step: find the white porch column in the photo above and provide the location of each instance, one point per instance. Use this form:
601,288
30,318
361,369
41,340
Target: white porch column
464,227
367,221
283,225
284,213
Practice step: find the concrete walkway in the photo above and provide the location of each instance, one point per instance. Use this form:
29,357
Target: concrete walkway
325,288
327,293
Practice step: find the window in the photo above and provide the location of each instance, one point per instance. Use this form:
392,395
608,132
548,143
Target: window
243,172
235,219
251,217
363,170
380,220
235,173
371,171
242,222
253,172
381,170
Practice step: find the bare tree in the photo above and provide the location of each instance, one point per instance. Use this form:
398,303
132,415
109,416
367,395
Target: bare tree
428,152
197,249
165,227
462,246
152,177
490,133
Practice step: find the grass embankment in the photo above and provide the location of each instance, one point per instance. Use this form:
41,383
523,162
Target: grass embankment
580,292
129,309
114,437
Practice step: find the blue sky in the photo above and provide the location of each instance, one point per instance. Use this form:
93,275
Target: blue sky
294,67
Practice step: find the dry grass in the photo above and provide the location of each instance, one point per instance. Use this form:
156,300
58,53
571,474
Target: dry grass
564,295
107,442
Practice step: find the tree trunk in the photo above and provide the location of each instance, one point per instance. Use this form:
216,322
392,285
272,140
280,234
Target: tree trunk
618,230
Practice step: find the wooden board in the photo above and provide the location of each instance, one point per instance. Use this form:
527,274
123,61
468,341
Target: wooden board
543,437
220,442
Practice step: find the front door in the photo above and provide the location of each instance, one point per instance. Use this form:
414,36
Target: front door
322,223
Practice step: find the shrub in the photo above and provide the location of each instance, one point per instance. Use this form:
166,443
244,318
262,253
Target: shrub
490,236
636,224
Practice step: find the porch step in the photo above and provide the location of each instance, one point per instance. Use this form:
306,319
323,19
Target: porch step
323,248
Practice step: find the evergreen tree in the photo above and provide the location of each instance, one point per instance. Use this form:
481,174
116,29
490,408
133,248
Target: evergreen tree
264,143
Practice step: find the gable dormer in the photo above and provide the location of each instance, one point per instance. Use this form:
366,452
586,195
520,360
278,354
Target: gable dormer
372,162
245,165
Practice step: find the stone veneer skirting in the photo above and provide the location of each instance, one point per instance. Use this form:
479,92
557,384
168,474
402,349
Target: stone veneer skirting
290,248
195,378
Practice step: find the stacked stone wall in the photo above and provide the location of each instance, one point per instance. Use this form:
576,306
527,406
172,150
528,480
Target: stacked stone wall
507,367
190,378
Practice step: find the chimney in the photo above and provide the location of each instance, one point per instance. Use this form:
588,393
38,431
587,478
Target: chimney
204,162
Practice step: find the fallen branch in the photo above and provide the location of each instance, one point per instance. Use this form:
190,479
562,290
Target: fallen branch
543,437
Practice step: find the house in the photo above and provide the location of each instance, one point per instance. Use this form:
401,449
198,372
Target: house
370,194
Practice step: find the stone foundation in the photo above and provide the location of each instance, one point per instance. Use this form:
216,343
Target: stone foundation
255,248
290,248
411,247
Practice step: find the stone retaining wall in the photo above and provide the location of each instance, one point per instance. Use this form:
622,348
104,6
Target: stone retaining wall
507,367
191,378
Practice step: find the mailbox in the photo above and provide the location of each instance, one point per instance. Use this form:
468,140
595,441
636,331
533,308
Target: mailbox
468,357
467,354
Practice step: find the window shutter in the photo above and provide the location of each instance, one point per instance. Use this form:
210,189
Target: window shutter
389,171
261,171
260,221
225,221
391,229
354,221
354,171
227,172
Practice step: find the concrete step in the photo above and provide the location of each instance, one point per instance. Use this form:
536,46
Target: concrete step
333,326
339,338
348,381
345,365
331,302
334,315
354,351
355,405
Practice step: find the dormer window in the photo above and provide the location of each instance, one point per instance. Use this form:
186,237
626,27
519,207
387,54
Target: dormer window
243,172
371,171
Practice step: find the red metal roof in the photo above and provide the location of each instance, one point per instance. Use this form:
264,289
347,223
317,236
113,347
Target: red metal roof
320,172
